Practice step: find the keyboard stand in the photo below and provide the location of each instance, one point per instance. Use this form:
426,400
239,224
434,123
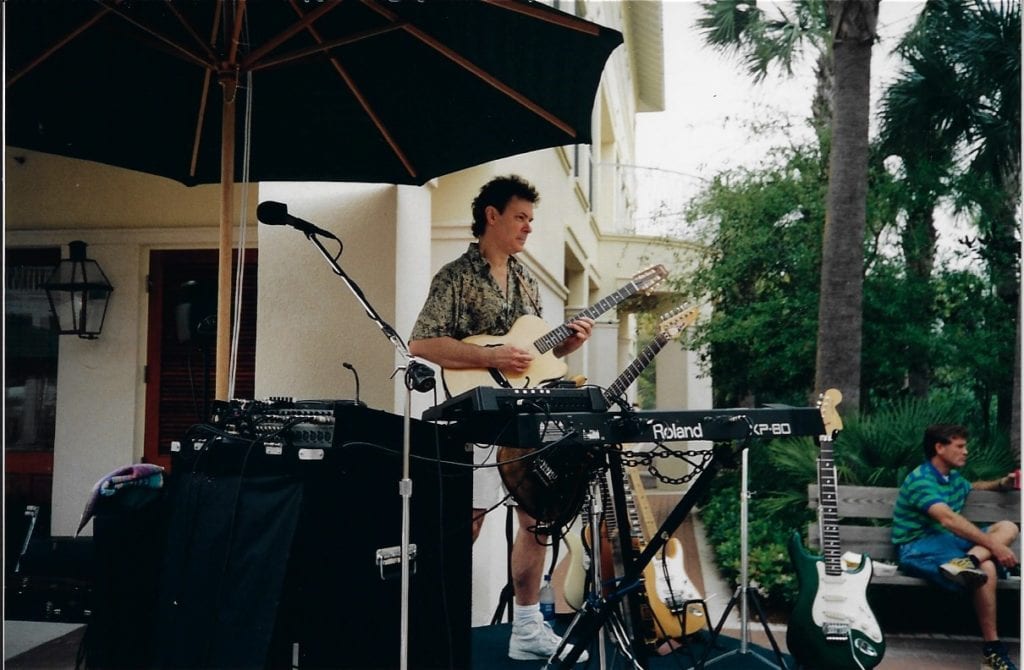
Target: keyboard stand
596,613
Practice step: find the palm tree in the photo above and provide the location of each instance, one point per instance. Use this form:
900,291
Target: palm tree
840,314
842,33
741,27
954,118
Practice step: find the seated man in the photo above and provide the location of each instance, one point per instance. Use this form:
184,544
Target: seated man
937,543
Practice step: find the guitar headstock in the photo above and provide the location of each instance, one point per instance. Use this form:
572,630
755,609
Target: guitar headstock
646,280
674,322
829,415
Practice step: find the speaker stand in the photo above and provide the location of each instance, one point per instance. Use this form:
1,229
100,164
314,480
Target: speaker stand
745,594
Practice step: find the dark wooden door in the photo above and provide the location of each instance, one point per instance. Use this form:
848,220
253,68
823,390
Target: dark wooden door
181,349
30,394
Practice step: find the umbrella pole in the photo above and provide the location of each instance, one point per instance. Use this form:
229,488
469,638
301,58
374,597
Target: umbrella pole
227,203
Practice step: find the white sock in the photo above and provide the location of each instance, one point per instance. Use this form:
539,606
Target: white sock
522,614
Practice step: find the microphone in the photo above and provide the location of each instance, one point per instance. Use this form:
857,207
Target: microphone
349,366
276,214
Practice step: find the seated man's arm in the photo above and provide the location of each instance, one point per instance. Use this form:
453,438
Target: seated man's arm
1001,484
962,527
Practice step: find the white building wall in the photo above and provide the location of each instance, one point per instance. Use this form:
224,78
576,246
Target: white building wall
310,323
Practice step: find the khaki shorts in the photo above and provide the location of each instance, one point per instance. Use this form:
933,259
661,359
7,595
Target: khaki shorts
488,489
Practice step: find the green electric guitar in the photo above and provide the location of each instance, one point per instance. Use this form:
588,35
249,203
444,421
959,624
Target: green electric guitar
832,626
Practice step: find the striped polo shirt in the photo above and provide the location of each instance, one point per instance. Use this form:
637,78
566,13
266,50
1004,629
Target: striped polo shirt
922,488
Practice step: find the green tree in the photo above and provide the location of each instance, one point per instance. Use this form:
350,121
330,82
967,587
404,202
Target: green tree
953,116
762,229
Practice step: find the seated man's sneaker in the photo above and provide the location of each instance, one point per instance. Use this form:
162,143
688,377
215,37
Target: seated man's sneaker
997,660
962,571
535,640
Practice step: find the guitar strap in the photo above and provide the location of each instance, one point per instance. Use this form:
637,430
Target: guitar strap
556,542
526,289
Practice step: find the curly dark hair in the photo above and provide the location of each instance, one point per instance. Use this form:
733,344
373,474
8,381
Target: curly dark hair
940,433
496,193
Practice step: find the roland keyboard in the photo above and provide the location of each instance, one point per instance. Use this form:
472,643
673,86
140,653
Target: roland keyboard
533,429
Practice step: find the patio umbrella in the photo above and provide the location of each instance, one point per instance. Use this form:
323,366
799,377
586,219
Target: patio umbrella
392,91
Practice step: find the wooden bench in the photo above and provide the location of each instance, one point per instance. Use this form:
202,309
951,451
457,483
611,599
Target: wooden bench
857,504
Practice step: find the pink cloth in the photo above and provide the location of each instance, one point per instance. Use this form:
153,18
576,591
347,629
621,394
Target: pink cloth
140,474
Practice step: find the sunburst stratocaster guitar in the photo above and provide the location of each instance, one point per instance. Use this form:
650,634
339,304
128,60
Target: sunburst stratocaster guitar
832,626
552,485
675,603
530,333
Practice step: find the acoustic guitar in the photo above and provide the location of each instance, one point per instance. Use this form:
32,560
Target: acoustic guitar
530,333
832,625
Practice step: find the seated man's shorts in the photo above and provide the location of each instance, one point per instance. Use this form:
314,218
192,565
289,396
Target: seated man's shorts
922,558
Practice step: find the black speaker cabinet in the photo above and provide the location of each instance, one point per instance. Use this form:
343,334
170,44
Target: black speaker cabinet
272,550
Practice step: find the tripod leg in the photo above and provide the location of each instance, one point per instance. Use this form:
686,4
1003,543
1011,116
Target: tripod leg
718,628
507,593
755,600
504,600
621,638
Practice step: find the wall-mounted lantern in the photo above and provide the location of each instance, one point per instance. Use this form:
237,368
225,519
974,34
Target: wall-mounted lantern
79,293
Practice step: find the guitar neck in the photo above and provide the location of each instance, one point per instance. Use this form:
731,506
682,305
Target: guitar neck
828,508
556,336
650,526
634,369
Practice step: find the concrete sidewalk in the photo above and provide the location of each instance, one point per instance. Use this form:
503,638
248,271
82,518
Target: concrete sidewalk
903,652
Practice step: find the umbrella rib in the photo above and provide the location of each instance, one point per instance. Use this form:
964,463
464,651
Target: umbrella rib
322,47
204,97
58,46
306,21
190,29
236,33
187,54
565,21
363,102
477,71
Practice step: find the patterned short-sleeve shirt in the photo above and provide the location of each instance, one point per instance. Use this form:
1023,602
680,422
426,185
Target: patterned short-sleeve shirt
922,488
465,300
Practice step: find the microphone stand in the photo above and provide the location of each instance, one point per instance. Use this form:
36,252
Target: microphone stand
418,377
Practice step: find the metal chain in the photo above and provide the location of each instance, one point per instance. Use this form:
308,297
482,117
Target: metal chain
698,460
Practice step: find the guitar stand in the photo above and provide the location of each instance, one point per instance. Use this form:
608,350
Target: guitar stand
596,613
616,629
745,594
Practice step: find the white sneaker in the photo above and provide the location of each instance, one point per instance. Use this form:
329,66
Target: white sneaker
535,640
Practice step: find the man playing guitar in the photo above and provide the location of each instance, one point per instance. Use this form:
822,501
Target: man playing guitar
484,291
